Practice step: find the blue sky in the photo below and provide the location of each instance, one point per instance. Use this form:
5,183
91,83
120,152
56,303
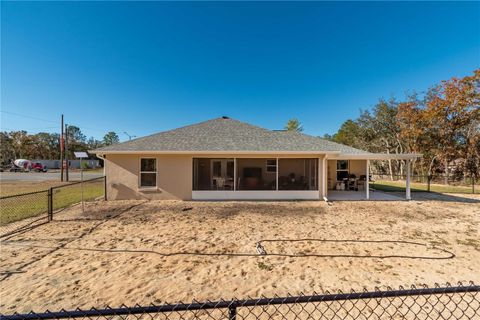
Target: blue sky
152,66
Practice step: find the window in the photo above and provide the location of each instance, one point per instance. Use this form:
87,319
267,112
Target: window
342,170
148,172
272,165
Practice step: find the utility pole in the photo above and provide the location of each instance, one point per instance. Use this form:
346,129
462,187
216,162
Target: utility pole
62,146
66,152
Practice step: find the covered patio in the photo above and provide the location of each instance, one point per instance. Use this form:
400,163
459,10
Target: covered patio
349,178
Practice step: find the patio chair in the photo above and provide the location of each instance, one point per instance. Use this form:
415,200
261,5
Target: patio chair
352,182
220,182
362,181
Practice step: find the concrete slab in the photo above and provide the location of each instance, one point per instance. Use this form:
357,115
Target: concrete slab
335,195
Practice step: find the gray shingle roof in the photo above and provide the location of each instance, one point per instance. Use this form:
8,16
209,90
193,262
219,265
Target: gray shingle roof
225,134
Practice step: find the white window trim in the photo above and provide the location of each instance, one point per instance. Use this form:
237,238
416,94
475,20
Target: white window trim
342,170
271,166
140,187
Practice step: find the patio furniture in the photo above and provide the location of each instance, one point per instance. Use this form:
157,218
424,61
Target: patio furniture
220,183
340,185
362,182
352,182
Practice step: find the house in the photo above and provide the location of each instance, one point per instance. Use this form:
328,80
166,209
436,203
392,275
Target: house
226,159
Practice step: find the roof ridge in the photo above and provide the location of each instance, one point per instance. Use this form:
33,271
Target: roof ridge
227,134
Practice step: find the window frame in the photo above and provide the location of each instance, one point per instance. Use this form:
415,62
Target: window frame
347,170
140,173
267,166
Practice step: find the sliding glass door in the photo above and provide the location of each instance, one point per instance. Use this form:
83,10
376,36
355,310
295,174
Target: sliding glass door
213,174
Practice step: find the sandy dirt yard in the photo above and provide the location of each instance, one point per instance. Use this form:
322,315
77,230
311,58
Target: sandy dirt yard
127,252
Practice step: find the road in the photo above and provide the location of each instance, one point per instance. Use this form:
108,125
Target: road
46,176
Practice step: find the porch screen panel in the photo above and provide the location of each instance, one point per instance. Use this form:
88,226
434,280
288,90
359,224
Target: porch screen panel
298,174
213,174
256,173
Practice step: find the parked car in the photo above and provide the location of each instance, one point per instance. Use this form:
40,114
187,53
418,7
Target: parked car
38,167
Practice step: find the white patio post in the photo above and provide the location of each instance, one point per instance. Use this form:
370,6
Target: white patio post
234,174
319,178
367,181
276,177
324,178
408,197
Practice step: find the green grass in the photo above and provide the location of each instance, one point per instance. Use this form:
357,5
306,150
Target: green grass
399,186
32,205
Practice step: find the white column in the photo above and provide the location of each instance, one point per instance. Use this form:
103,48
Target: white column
408,197
325,177
276,176
234,174
319,177
367,180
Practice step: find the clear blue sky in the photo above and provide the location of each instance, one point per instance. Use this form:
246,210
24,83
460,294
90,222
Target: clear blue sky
148,67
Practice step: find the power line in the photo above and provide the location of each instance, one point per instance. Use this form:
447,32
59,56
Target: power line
29,129
26,116
40,119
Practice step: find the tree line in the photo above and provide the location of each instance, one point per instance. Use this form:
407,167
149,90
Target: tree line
443,125
44,145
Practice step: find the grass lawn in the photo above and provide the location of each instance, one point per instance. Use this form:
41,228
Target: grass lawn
32,205
399,186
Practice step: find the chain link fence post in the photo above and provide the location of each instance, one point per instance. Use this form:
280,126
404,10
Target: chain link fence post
232,311
50,204
105,188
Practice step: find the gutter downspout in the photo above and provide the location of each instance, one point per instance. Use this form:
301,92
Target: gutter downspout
104,176
104,162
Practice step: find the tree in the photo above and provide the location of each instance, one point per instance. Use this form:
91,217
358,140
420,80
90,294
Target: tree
6,148
442,124
294,125
76,141
75,134
348,134
93,143
111,138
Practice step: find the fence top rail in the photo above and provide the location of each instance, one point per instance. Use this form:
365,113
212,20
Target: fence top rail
23,194
46,190
231,304
77,182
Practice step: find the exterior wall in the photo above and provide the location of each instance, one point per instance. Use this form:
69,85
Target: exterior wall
331,173
174,177
356,167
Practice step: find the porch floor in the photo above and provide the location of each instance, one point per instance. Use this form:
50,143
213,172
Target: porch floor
360,195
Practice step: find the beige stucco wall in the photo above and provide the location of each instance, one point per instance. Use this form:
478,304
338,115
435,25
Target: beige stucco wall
174,177
356,167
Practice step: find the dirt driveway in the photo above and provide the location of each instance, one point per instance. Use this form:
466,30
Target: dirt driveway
153,252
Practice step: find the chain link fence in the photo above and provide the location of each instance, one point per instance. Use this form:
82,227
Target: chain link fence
22,211
423,183
448,302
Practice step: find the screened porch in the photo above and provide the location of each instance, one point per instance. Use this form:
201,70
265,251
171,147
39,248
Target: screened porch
262,176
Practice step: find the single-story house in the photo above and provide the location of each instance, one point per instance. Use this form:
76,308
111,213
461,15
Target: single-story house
226,159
